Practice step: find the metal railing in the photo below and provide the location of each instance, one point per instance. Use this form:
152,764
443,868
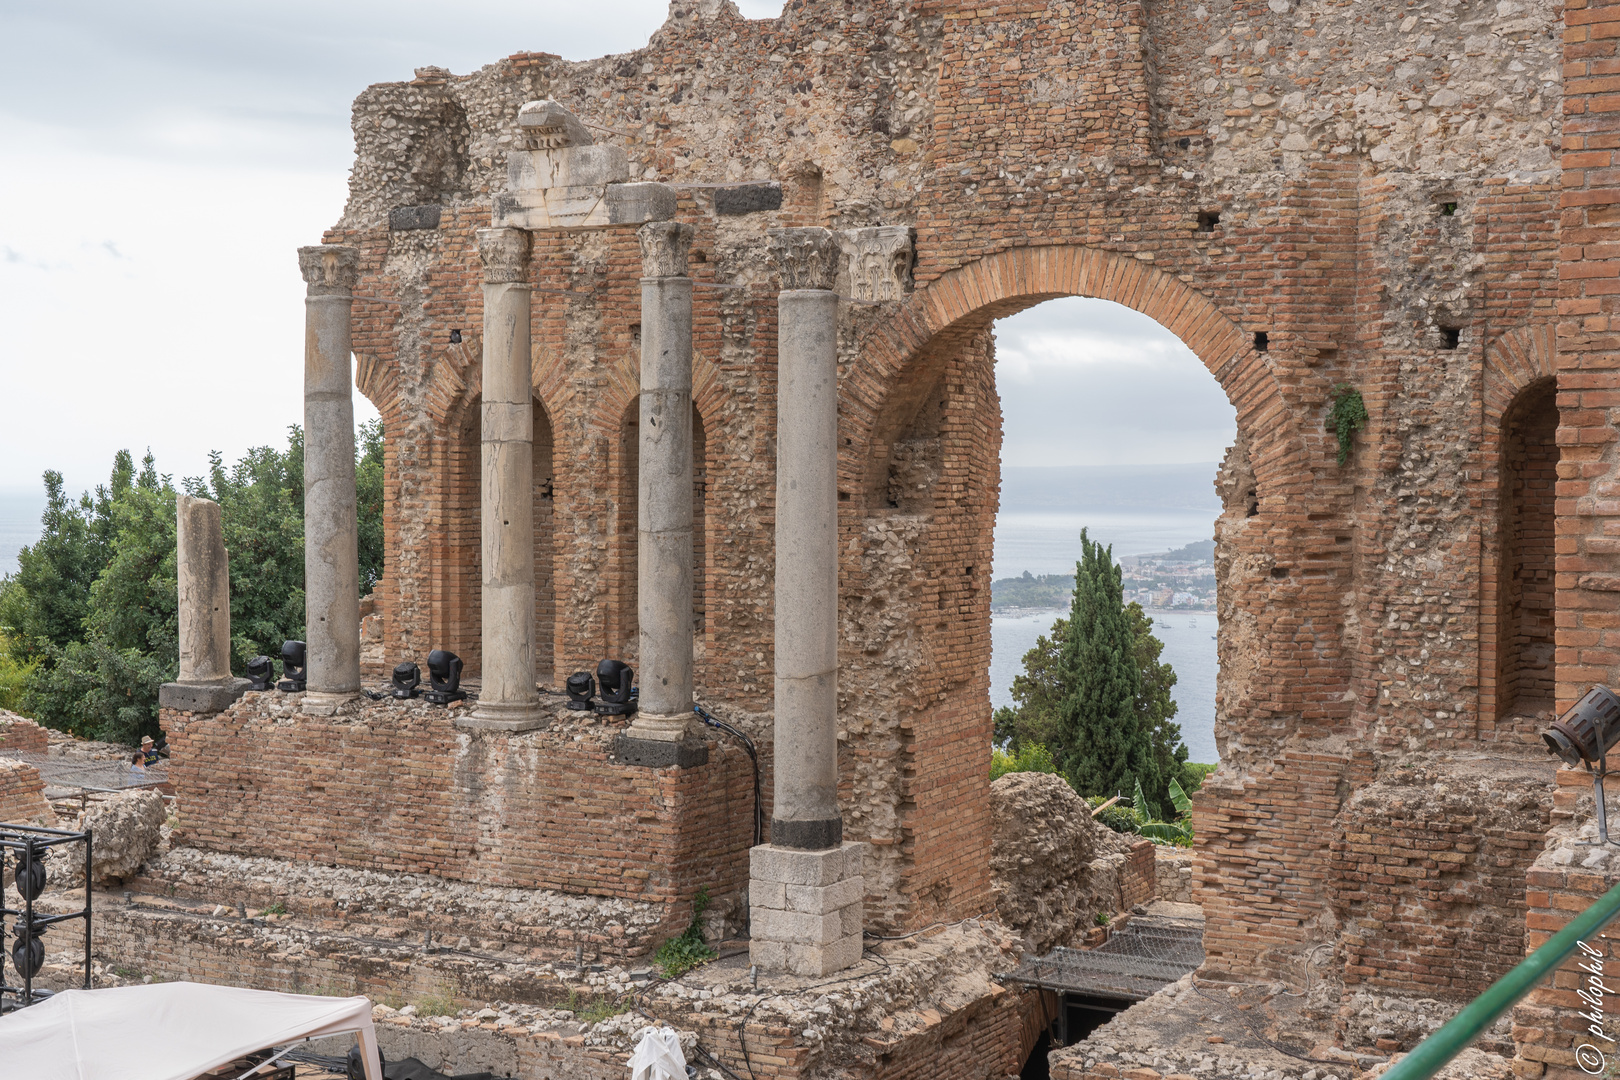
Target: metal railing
1432,1053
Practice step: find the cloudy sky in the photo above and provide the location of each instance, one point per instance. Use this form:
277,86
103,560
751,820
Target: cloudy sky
164,159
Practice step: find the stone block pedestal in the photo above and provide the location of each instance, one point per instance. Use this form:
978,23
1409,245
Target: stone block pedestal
804,908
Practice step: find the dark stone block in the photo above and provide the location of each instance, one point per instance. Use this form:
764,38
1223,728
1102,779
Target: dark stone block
807,835
748,198
406,218
201,697
658,754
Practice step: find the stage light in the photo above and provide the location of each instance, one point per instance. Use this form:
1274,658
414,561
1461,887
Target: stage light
1584,735
261,673
444,678
581,688
407,677
616,680
293,663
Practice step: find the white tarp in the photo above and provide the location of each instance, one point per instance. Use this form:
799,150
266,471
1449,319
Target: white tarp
168,1031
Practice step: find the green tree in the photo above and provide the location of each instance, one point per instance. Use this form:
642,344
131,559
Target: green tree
1105,747
43,605
1155,709
1039,692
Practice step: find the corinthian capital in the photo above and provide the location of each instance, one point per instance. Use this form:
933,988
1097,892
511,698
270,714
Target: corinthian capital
505,253
879,261
329,269
663,248
806,258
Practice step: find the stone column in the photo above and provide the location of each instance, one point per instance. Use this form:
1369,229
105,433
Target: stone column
806,887
508,700
203,569
331,528
664,501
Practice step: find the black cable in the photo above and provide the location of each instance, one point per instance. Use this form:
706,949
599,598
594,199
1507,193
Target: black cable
753,754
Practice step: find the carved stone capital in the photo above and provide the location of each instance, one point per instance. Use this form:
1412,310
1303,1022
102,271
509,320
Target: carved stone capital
547,125
805,258
664,245
505,253
329,269
880,261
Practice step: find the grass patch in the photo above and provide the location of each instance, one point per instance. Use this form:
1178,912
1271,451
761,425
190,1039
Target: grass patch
593,1008
443,1003
277,908
679,955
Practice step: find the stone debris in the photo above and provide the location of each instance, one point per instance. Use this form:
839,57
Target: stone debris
127,830
1055,868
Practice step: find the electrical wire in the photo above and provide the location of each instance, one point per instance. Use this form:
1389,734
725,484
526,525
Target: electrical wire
753,753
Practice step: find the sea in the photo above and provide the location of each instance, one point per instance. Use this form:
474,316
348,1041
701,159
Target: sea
1049,543
19,527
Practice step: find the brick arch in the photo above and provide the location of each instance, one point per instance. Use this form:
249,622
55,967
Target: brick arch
894,369
1517,361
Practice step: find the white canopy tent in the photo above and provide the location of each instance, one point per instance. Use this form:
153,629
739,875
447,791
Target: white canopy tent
169,1031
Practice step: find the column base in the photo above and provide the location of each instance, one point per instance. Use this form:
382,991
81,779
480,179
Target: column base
805,908
504,716
657,727
659,753
324,703
208,697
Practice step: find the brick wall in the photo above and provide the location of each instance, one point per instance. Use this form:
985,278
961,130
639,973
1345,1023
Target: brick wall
16,733
22,795
1139,875
398,788
1548,1025
1173,874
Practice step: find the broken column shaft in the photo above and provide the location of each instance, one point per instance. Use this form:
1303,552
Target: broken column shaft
805,889
202,569
508,700
331,528
664,496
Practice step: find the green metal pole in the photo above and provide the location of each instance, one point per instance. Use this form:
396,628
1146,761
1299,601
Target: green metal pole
1433,1053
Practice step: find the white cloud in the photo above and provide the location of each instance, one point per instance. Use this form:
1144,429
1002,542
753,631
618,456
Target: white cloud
1090,382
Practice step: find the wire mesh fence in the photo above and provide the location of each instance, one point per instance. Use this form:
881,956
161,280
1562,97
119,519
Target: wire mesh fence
88,774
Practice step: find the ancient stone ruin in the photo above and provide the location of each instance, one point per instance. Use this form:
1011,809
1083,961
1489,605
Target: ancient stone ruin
685,360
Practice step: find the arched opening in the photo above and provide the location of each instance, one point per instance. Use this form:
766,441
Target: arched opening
1112,425
1528,476
545,593
459,582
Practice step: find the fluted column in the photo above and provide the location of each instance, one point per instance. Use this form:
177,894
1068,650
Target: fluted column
664,497
806,888
331,528
508,699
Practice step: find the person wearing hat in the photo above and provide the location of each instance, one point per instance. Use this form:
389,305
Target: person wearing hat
151,752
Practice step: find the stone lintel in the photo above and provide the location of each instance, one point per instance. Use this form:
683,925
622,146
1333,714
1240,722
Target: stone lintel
407,218
584,206
210,697
660,753
748,198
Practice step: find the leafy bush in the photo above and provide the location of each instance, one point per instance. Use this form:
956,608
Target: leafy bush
681,954
1141,818
1030,757
14,676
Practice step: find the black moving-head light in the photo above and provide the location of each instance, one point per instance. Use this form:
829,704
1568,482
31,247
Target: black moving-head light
261,673
293,663
444,678
28,954
616,681
407,677
581,688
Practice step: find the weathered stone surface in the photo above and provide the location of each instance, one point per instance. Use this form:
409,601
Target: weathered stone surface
1055,869
126,830
407,218
22,795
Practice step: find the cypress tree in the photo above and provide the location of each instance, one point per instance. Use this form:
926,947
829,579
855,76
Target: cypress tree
1107,748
